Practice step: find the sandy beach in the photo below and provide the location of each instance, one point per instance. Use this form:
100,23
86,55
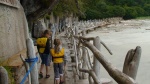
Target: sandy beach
122,37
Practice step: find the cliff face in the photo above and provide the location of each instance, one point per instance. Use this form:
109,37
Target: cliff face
12,28
35,9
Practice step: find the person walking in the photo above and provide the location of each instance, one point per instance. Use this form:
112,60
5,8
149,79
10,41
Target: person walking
43,46
59,61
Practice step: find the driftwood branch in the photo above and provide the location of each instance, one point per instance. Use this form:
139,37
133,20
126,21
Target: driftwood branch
117,75
92,74
106,47
132,62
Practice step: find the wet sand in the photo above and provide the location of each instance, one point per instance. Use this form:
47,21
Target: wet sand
125,36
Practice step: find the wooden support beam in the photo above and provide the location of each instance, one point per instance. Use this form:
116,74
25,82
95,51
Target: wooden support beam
85,62
96,64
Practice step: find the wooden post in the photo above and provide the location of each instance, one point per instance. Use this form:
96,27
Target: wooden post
76,57
131,62
84,75
31,54
27,68
3,76
96,65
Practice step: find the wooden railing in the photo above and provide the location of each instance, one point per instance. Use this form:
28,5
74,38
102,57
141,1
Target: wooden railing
83,62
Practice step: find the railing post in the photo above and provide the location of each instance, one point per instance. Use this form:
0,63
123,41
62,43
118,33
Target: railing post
96,65
131,62
84,75
31,54
3,76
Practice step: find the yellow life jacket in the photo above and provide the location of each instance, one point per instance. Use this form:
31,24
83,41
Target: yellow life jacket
41,42
57,57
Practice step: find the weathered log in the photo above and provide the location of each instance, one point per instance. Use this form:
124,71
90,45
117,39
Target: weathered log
131,62
3,76
92,74
31,54
96,65
117,75
84,55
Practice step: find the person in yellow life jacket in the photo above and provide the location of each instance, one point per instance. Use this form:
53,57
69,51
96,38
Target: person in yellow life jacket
43,46
59,59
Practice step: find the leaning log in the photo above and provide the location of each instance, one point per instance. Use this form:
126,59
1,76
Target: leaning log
3,76
117,75
131,62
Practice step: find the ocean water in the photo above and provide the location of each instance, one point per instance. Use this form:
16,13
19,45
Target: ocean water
122,37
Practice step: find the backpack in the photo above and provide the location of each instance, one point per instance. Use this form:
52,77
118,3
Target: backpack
41,42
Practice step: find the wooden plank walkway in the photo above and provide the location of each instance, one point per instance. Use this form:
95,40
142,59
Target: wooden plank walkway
69,76
49,80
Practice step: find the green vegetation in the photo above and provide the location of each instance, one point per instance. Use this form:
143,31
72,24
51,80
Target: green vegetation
10,75
141,18
128,9
65,7
98,9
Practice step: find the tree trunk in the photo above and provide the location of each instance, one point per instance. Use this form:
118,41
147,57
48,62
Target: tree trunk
131,62
3,76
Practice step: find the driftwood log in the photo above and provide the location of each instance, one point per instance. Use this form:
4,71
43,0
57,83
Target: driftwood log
96,63
117,75
84,55
132,62
3,76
